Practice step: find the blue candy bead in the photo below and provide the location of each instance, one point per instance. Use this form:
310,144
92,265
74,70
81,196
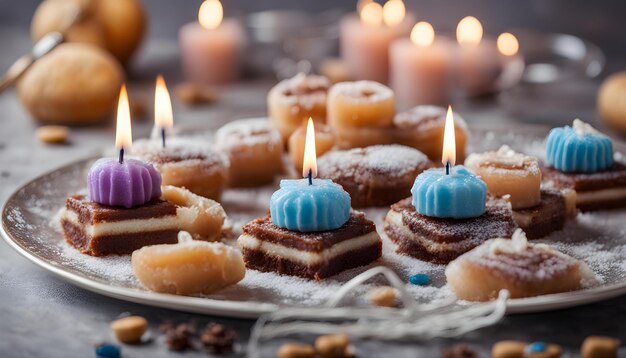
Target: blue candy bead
299,206
536,347
419,279
458,195
108,350
569,150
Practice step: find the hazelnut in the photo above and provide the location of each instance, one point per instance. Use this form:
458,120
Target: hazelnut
129,329
383,296
296,350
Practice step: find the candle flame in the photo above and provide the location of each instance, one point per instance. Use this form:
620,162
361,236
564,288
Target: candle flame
310,156
393,12
123,132
423,34
448,155
211,14
469,32
507,44
163,117
371,14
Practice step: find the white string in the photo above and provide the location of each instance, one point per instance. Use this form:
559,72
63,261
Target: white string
412,321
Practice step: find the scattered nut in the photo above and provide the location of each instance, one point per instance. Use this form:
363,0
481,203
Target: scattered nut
599,347
53,134
194,94
335,69
129,329
296,350
333,346
383,296
508,349
217,338
179,338
460,351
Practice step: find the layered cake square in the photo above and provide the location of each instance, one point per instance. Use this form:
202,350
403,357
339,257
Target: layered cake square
594,191
441,240
100,230
550,215
267,247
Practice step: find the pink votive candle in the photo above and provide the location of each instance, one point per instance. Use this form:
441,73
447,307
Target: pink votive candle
211,48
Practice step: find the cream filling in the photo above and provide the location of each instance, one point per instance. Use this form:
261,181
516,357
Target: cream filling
395,218
307,257
132,226
586,197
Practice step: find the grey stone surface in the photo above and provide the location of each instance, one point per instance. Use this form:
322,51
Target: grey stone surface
42,316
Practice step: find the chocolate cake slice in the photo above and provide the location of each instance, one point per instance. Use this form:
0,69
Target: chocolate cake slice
441,240
100,230
550,215
316,255
594,191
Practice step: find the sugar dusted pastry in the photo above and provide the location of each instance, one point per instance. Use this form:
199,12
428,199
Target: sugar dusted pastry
201,217
292,101
507,172
189,267
537,211
422,127
187,164
324,141
377,175
524,269
581,159
254,149
360,104
441,240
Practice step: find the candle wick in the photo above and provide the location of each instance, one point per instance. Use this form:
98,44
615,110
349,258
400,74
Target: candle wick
447,168
121,155
163,136
310,176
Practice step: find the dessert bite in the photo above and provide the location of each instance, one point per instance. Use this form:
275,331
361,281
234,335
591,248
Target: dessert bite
254,149
537,211
187,164
448,213
292,101
324,141
311,231
360,104
524,269
580,158
377,175
189,267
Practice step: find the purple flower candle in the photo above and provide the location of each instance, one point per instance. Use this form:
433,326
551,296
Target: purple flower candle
119,182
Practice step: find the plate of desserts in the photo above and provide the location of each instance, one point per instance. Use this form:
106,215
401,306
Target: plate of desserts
282,211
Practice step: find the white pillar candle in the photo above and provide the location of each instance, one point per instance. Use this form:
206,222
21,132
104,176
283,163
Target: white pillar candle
420,67
365,38
211,48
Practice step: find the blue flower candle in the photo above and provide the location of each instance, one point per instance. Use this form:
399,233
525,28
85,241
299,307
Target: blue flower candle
450,192
310,205
579,148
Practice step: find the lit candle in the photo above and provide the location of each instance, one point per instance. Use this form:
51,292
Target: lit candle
481,61
163,116
211,48
450,192
310,205
365,38
123,182
420,67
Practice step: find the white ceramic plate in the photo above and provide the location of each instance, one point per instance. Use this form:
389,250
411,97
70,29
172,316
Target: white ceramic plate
28,225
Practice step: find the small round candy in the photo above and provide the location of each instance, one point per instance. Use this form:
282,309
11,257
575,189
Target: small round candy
419,279
299,206
128,184
108,350
536,347
579,148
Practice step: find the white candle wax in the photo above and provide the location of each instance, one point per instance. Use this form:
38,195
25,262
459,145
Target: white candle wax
365,48
211,56
420,74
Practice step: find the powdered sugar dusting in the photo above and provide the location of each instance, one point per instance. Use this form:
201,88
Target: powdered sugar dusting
599,239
